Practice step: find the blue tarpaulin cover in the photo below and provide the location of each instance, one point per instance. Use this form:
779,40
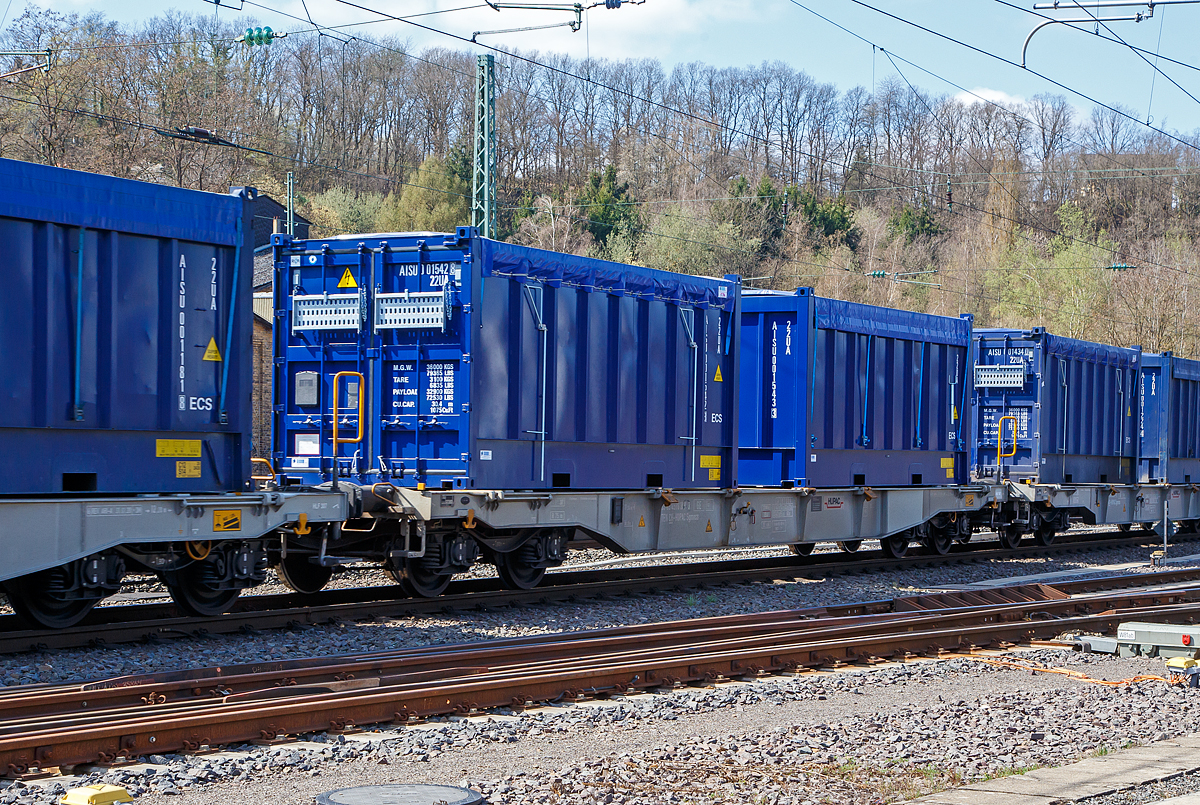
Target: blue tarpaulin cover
1103,354
854,317
510,260
74,198
1088,351
1185,368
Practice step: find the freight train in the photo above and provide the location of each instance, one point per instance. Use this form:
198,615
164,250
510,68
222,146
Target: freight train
442,399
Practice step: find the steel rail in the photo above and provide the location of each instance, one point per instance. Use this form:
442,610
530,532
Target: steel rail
165,692
140,622
147,732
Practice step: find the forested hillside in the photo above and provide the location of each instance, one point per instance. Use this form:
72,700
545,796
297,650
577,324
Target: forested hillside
1084,222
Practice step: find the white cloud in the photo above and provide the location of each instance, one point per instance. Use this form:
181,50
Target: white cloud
996,96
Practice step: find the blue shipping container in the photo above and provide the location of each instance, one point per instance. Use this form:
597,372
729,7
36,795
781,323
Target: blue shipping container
461,362
1070,405
1168,419
836,394
126,329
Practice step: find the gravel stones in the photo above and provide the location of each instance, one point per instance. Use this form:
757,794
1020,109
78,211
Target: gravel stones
1155,792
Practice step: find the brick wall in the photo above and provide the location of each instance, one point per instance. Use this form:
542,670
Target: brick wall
263,354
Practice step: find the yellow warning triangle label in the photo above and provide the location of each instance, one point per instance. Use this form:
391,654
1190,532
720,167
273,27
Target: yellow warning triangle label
709,528
347,280
718,379
642,521
211,353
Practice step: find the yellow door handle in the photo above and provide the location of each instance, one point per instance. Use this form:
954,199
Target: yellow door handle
1000,439
336,409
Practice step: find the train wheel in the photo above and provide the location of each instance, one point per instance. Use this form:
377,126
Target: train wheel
803,548
1045,535
1010,536
939,541
850,546
895,546
420,581
1125,528
40,600
301,575
198,589
516,574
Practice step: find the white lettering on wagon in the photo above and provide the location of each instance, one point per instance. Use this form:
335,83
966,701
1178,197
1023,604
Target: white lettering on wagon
127,510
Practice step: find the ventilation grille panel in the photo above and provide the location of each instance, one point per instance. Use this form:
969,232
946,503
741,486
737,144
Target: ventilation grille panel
424,310
333,312
1010,375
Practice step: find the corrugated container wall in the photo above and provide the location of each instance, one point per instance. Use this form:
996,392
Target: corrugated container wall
125,322
1071,406
457,361
1168,419
837,394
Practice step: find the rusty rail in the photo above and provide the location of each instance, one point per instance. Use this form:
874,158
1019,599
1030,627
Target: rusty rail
133,716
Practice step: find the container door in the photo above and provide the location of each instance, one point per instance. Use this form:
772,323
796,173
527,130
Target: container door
1152,436
423,380
323,386
772,404
1006,387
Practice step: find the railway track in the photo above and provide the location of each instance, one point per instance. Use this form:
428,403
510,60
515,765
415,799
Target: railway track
161,621
127,717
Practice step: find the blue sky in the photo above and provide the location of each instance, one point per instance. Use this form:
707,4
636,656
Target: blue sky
741,33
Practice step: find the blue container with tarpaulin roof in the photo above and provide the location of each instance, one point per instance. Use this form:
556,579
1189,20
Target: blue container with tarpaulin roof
456,361
840,394
125,311
1054,410
1168,419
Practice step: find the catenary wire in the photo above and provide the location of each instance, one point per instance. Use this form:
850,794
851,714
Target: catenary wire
1011,63
1136,51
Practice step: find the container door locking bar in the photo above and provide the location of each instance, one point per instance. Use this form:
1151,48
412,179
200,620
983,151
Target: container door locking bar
687,316
535,307
337,409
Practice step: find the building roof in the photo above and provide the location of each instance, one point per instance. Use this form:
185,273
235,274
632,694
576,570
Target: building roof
266,211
